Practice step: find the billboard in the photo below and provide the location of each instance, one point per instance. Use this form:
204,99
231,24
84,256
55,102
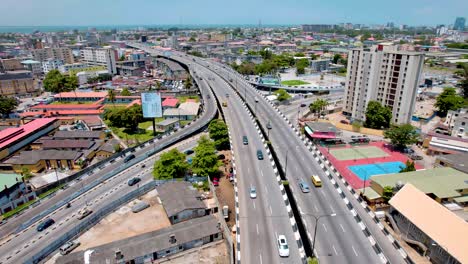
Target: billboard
151,105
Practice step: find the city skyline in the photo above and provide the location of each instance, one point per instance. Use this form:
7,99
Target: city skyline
274,12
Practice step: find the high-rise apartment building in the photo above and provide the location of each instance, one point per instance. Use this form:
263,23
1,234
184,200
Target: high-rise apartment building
64,54
385,74
100,57
51,64
459,23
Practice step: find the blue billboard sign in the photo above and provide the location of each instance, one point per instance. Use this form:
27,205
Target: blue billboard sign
151,105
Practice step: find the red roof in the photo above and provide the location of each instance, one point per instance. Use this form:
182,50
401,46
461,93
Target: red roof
81,95
170,102
13,134
64,113
67,106
134,102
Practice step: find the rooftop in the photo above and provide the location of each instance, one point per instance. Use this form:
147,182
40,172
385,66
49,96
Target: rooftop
67,143
191,107
34,156
442,182
8,180
321,127
444,227
170,102
81,95
12,134
168,121
77,134
179,196
13,75
456,161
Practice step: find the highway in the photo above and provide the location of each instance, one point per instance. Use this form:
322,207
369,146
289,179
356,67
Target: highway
29,242
264,218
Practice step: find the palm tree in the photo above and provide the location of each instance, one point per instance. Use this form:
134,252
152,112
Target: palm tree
188,82
318,106
111,95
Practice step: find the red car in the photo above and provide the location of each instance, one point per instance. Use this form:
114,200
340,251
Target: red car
216,182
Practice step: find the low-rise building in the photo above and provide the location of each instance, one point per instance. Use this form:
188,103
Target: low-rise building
167,125
172,70
17,83
181,201
438,144
321,130
319,65
33,66
10,65
442,235
79,135
108,149
14,192
170,103
456,161
51,64
38,160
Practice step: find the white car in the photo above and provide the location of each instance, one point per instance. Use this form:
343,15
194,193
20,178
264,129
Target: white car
253,192
283,246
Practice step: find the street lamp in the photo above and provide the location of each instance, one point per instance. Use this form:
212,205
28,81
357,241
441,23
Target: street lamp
317,218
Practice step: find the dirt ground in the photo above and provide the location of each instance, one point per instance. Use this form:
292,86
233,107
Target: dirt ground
214,253
225,190
123,223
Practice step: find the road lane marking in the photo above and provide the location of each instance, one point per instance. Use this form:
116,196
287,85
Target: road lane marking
342,228
333,210
271,211
324,227
253,204
334,249
354,251
257,230
261,172
316,209
261,261
321,191
266,189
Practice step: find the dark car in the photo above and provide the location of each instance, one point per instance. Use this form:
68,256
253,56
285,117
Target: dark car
188,152
259,154
128,158
245,140
44,225
221,156
303,105
133,181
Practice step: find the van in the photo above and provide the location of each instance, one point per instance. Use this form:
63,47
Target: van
316,181
128,158
68,247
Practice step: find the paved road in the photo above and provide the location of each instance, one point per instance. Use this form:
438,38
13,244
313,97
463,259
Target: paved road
264,218
30,242
15,222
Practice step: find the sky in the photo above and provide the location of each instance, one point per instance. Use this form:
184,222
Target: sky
196,12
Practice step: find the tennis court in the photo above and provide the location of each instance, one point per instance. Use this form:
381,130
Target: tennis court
355,153
364,172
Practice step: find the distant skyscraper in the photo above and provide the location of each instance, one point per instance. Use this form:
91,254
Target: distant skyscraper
459,23
384,74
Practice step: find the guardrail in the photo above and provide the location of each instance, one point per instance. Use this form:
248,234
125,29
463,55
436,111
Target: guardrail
89,221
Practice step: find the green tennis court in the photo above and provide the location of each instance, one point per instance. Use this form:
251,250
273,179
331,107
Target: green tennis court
358,153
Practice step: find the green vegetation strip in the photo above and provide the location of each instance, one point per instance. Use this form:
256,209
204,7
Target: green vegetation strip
294,82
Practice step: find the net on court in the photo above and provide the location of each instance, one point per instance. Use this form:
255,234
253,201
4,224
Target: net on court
358,153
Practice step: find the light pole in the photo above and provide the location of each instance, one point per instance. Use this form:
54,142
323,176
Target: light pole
317,218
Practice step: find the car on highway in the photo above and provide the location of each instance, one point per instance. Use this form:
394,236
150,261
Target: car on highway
303,105
224,104
253,192
133,181
188,152
304,187
69,247
316,181
245,140
84,213
44,225
269,125
283,247
215,181
259,154
128,158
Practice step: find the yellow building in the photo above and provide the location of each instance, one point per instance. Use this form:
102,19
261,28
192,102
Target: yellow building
38,160
16,83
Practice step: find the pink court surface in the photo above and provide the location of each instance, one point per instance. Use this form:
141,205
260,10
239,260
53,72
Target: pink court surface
372,153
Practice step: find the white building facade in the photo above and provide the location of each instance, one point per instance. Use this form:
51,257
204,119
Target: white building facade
384,74
100,57
51,64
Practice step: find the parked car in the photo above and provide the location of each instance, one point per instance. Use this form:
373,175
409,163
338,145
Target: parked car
84,213
44,225
346,122
245,140
416,157
69,247
304,187
253,192
283,247
259,154
216,182
188,152
140,207
133,181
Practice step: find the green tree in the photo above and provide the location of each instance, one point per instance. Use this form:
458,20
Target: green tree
282,95
219,134
125,92
111,96
26,173
266,54
336,58
188,82
377,116
205,162
300,70
387,193
127,117
55,82
402,135
318,106
171,164
463,73
299,54
448,100
409,166
122,58
7,104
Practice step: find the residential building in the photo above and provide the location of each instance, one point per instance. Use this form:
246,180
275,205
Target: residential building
108,149
321,130
316,27
181,201
10,65
438,144
460,126
51,64
167,125
14,192
457,161
79,135
152,246
33,66
171,70
319,65
441,234
17,83
106,57
85,75
131,67
15,138
452,116
459,23
73,66
170,103
384,74
64,54
38,160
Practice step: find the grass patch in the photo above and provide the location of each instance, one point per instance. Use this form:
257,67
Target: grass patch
183,99
294,82
439,68
42,195
133,138
312,261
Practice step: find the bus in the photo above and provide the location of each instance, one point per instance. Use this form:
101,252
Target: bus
316,181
